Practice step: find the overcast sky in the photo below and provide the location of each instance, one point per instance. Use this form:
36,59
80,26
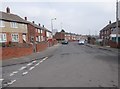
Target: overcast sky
78,16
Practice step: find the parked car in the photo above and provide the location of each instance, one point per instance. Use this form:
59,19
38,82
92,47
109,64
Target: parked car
81,42
65,42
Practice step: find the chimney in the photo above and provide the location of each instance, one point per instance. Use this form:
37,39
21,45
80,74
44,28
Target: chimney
43,25
33,22
39,24
109,22
7,10
25,18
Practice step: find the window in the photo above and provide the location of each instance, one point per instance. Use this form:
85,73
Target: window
42,38
41,31
3,37
15,37
38,30
2,23
14,25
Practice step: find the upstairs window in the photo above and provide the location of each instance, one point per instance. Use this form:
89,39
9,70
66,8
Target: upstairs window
14,25
2,23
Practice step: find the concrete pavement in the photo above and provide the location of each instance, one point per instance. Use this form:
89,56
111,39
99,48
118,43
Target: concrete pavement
104,48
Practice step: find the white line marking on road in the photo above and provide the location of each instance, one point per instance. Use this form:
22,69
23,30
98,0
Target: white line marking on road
45,58
13,73
37,64
33,61
24,73
29,64
1,79
31,68
11,82
22,68
41,61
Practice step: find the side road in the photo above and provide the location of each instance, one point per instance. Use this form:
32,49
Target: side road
35,56
104,48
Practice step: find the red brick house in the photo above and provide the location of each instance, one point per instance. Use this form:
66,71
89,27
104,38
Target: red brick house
12,28
108,35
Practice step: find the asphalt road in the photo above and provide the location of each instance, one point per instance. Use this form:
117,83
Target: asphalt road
70,65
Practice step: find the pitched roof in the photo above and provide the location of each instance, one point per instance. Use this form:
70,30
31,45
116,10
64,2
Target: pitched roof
11,17
112,25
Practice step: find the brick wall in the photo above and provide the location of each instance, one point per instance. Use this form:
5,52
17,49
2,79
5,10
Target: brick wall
113,44
41,46
13,52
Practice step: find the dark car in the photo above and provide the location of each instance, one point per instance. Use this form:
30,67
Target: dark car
65,42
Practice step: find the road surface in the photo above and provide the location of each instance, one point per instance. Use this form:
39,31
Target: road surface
70,65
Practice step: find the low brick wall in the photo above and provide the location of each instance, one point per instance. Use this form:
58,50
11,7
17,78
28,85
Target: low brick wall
41,46
13,52
114,45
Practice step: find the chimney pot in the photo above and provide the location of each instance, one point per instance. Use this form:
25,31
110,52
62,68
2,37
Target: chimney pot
8,10
39,24
43,25
25,18
109,22
33,22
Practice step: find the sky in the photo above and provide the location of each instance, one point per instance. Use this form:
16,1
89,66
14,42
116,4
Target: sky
86,17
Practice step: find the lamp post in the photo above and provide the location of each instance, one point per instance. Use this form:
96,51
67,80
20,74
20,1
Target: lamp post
117,23
61,32
52,25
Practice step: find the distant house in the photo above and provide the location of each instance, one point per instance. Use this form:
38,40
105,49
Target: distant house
108,34
12,28
59,36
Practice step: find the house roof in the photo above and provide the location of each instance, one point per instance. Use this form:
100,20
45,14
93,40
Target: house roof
112,25
15,18
11,17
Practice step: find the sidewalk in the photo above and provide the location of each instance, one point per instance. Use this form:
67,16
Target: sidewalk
104,48
35,56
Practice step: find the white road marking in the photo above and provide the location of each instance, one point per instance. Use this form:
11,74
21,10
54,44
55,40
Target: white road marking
1,79
41,61
37,64
11,82
22,68
45,58
13,73
29,64
33,61
31,68
24,73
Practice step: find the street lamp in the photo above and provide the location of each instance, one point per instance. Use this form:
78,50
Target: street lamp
52,25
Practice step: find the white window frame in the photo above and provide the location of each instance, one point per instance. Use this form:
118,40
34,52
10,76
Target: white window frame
13,35
14,24
3,37
38,30
2,23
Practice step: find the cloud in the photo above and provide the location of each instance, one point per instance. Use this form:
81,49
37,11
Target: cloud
78,17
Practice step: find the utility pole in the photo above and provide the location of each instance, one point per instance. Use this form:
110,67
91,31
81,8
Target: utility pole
61,32
117,23
52,25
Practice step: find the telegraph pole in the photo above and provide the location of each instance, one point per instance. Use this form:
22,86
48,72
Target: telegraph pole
117,23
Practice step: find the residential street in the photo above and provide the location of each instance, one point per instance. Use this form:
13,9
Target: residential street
69,65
